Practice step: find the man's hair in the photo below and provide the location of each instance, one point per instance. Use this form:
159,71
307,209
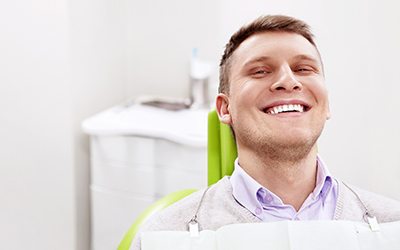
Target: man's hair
272,23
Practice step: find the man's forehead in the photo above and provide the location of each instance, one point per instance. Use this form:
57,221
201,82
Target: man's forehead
266,45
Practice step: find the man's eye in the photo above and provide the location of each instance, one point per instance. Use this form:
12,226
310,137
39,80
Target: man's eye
304,69
260,72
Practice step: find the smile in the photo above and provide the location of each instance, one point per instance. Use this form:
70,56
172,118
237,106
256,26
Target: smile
286,108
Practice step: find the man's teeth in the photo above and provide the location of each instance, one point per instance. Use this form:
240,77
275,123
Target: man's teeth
286,108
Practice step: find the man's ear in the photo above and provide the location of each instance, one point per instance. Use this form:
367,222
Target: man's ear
222,106
328,111
328,114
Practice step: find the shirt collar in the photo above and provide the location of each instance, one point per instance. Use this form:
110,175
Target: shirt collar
244,188
250,194
324,180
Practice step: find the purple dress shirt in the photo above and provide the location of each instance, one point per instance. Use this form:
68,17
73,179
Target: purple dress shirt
267,206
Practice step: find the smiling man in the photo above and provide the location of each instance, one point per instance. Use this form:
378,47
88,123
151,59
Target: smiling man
273,95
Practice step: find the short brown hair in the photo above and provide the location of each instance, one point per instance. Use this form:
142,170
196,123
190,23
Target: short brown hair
262,24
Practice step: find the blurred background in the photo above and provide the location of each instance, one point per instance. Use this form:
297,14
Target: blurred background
62,61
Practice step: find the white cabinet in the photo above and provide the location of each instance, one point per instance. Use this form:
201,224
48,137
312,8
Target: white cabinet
132,168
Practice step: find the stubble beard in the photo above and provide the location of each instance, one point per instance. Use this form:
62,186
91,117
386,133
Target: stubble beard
277,149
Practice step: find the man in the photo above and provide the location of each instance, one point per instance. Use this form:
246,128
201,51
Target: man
273,95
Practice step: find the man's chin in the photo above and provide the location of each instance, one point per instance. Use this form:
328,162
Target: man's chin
289,152
285,147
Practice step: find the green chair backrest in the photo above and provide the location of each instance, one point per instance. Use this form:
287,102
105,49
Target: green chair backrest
146,214
221,149
221,154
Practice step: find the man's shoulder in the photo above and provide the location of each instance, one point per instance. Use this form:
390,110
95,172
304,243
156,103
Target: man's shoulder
213,207
176,216
170,218
385,209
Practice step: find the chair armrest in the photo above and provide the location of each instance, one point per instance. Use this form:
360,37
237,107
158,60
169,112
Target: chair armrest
146,214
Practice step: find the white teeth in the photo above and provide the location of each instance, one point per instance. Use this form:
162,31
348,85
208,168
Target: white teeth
285,108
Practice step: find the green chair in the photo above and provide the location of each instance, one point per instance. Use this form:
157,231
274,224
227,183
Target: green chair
221,154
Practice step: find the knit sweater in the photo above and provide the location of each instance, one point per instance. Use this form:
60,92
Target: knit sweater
219,208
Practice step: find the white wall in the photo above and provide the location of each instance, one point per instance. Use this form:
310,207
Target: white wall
60,62
36,177
360,142
161,35
99,80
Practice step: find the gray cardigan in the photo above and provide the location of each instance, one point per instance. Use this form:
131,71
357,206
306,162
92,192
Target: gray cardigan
220,208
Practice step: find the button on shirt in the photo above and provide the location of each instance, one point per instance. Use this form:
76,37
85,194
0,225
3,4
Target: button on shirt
267,206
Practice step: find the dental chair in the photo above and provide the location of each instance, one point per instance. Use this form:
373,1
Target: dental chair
221,154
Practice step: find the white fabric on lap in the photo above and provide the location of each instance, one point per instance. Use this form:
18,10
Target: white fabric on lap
283,235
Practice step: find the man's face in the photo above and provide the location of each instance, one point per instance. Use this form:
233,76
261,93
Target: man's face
277,95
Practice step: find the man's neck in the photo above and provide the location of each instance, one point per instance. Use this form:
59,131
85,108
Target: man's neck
292,181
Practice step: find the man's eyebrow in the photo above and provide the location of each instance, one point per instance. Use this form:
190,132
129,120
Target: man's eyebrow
267,58
306,57
256,60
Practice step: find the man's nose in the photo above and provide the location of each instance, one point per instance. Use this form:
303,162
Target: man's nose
286,81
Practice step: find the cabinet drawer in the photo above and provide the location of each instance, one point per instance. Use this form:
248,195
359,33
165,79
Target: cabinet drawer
139,179
172,155
122,150
146,180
